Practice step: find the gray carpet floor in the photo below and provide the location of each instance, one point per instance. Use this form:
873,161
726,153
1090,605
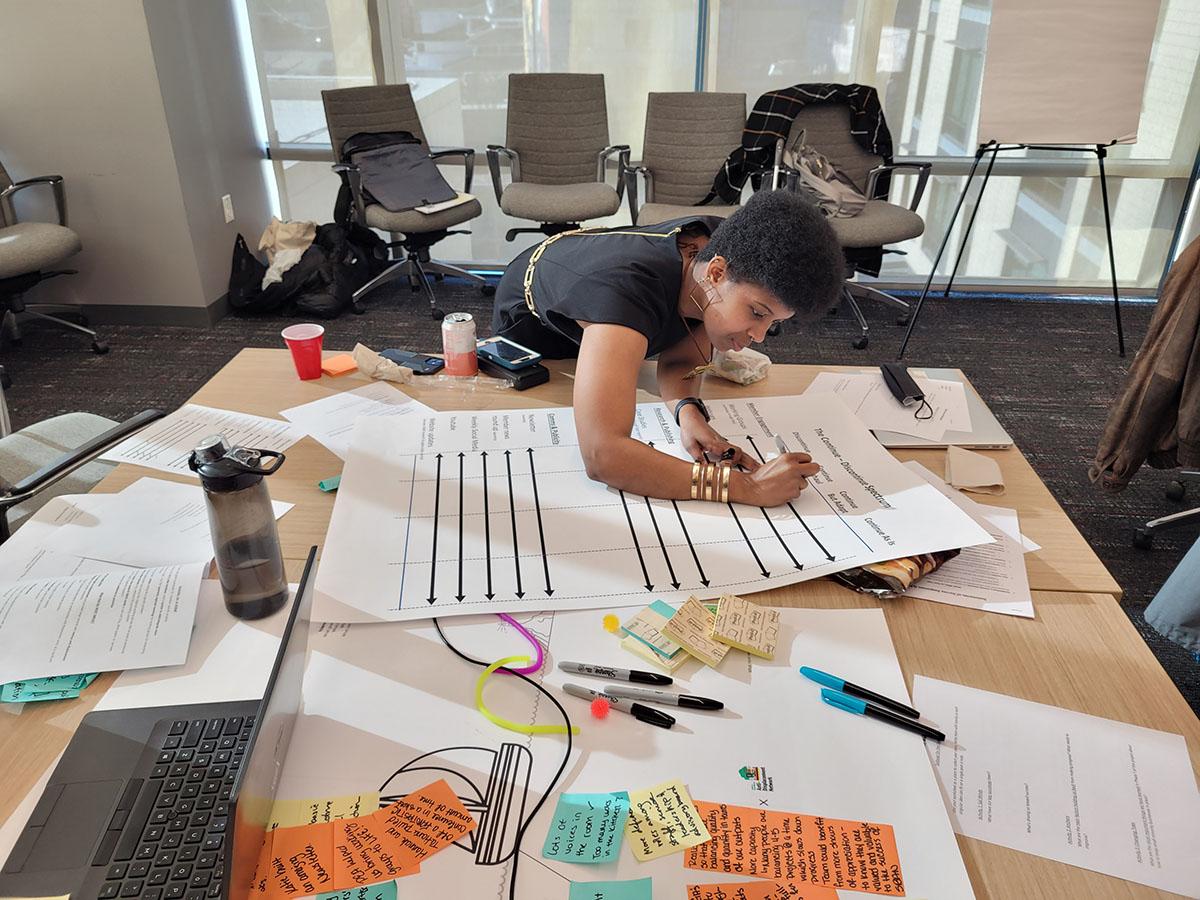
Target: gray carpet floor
1048,369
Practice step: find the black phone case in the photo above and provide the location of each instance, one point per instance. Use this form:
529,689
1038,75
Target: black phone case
521,379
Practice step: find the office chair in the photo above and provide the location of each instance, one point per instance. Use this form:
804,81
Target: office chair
1143,538
557,150
826,127
54,457
390,107
688,137
29,251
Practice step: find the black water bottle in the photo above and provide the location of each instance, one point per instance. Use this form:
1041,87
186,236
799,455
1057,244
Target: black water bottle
242,522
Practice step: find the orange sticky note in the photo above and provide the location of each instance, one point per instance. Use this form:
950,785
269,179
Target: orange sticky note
262,868
759,890
361,856
301,860
339,365
790,847
422,823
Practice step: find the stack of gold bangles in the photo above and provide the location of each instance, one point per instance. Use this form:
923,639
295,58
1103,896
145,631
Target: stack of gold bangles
710,481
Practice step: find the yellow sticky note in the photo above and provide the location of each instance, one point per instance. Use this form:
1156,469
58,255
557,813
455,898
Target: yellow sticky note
747,626
663,820
339,365
291,813
691,628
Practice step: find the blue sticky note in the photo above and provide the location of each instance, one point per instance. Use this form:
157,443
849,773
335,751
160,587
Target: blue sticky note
636,889
58,687
587,828
385,890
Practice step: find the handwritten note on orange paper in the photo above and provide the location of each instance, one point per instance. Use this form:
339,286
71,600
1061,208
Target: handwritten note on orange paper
362,855
301,860
423,822
262,869
790,847
759,890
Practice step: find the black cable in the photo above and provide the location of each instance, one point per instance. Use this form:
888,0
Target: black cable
924,405
512,881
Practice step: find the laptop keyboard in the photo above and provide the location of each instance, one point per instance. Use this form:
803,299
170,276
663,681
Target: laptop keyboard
166,841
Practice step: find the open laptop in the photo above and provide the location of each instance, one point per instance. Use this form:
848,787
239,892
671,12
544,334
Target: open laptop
986,431
169,802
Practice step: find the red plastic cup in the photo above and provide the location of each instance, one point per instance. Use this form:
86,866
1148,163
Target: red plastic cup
305,343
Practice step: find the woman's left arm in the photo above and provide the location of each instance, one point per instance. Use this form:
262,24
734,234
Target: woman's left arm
674,365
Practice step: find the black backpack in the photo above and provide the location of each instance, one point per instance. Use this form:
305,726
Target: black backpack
396,170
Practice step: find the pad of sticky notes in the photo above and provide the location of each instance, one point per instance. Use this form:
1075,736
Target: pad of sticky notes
747,626
667,664
339,365
647,628
691,627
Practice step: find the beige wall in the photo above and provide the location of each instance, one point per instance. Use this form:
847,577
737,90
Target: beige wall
82,98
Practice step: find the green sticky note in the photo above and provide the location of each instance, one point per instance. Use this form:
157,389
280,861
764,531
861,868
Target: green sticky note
330,484
58,687
587,828
385,890
636,889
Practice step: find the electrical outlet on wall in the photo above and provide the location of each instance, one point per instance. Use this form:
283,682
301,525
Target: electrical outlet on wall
227,205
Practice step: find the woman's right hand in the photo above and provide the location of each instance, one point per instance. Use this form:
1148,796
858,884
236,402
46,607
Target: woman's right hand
779,480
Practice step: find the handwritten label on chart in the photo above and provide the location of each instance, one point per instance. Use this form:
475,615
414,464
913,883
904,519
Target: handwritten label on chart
790,847
587,828
290,813
424,822
637,889
759,890
384,891
663,820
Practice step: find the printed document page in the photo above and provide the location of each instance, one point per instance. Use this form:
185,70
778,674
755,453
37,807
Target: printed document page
166,444
990,577
1087,791
330,420
97,623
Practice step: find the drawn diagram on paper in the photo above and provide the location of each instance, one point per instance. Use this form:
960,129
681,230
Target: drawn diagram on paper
484,511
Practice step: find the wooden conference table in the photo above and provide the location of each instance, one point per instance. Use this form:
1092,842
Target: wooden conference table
1081,652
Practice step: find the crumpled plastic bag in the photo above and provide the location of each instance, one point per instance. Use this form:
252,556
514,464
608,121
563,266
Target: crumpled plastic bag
285,243
375,366
744,366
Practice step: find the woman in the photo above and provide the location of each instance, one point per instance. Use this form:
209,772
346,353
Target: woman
677,290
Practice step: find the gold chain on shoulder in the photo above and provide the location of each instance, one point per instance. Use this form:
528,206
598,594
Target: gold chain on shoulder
541,248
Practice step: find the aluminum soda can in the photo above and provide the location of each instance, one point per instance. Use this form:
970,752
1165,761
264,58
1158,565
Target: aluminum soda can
458,344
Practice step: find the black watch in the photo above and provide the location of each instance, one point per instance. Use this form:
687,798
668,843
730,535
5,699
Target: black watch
692,401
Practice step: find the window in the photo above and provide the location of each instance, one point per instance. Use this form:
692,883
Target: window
1040,221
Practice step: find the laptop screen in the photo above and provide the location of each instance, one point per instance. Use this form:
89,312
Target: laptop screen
254,792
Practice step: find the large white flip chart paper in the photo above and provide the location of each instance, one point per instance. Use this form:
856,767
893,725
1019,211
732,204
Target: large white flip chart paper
429,512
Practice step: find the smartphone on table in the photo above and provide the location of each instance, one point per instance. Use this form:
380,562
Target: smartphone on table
420,363
506,353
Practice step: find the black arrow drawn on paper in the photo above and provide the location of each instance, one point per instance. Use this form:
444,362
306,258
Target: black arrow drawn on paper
666,558
487,527
459,596
782,542
512,512
688,537
437,499
541,534
636,545
761,567
829,556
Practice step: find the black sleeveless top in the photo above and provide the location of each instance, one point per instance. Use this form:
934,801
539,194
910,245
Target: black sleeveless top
627,276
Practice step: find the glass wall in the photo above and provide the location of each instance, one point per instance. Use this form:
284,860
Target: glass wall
1039,224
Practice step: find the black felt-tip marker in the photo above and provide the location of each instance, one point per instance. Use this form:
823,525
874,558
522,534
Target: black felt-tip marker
683,701
639,712
612,674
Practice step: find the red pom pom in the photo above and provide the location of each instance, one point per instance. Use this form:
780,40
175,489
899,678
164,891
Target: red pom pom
600,708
